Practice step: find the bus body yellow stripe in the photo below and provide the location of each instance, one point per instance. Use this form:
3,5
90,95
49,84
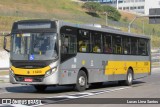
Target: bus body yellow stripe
121,67
21,71
113,67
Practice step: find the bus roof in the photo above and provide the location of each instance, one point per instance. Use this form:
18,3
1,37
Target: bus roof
112,31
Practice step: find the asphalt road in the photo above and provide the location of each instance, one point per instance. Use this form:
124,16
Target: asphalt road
148,87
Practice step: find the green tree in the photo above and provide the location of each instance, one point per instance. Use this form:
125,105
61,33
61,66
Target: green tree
93,7
112,12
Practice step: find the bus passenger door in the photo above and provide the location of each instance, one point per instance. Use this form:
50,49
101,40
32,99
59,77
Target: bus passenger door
68,63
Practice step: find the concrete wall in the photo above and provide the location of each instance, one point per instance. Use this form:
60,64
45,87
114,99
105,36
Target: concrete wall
4,59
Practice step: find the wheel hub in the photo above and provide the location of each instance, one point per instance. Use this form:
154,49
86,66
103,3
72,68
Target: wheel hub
129,77
82,81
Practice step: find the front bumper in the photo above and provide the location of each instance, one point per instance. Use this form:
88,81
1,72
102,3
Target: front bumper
37,80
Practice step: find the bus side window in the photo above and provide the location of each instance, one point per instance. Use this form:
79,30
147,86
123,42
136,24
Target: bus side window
82,46
126,45
96,42
68,44
118,49
117,44
134,46
72,46
107,43
64,47
83,41
107,48
142,45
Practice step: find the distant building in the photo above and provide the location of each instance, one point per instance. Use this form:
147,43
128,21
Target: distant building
151,4
137,6
127,5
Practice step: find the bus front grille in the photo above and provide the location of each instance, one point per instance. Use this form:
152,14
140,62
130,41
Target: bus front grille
34,78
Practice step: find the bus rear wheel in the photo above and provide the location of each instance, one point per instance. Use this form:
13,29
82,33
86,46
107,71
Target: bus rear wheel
40,88
129,79
81,83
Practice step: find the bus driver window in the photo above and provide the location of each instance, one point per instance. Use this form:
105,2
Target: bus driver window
18,44
45,45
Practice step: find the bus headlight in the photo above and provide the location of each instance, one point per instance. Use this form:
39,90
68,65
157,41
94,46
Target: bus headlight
51,71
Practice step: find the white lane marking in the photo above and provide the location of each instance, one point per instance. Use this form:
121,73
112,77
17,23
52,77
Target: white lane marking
107,91
89,93
103,91
86,94
65,97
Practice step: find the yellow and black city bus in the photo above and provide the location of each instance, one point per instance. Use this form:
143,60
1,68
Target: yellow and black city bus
52,52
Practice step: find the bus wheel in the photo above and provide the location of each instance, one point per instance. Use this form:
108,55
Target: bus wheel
81,81
129,78
40,88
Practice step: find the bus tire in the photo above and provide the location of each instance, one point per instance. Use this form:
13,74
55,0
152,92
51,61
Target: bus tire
129,78
81,81
40,88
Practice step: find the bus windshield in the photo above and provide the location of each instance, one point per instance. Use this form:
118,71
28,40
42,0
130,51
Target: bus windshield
34,46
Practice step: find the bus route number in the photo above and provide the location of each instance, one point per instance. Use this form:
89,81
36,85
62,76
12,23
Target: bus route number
37,72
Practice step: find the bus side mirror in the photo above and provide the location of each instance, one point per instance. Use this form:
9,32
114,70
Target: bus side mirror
6,45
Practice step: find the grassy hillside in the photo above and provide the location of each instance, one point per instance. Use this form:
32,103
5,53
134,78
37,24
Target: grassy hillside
60,9
13,10
63,9
39,6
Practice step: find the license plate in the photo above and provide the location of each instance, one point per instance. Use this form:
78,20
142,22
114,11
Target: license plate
28,79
